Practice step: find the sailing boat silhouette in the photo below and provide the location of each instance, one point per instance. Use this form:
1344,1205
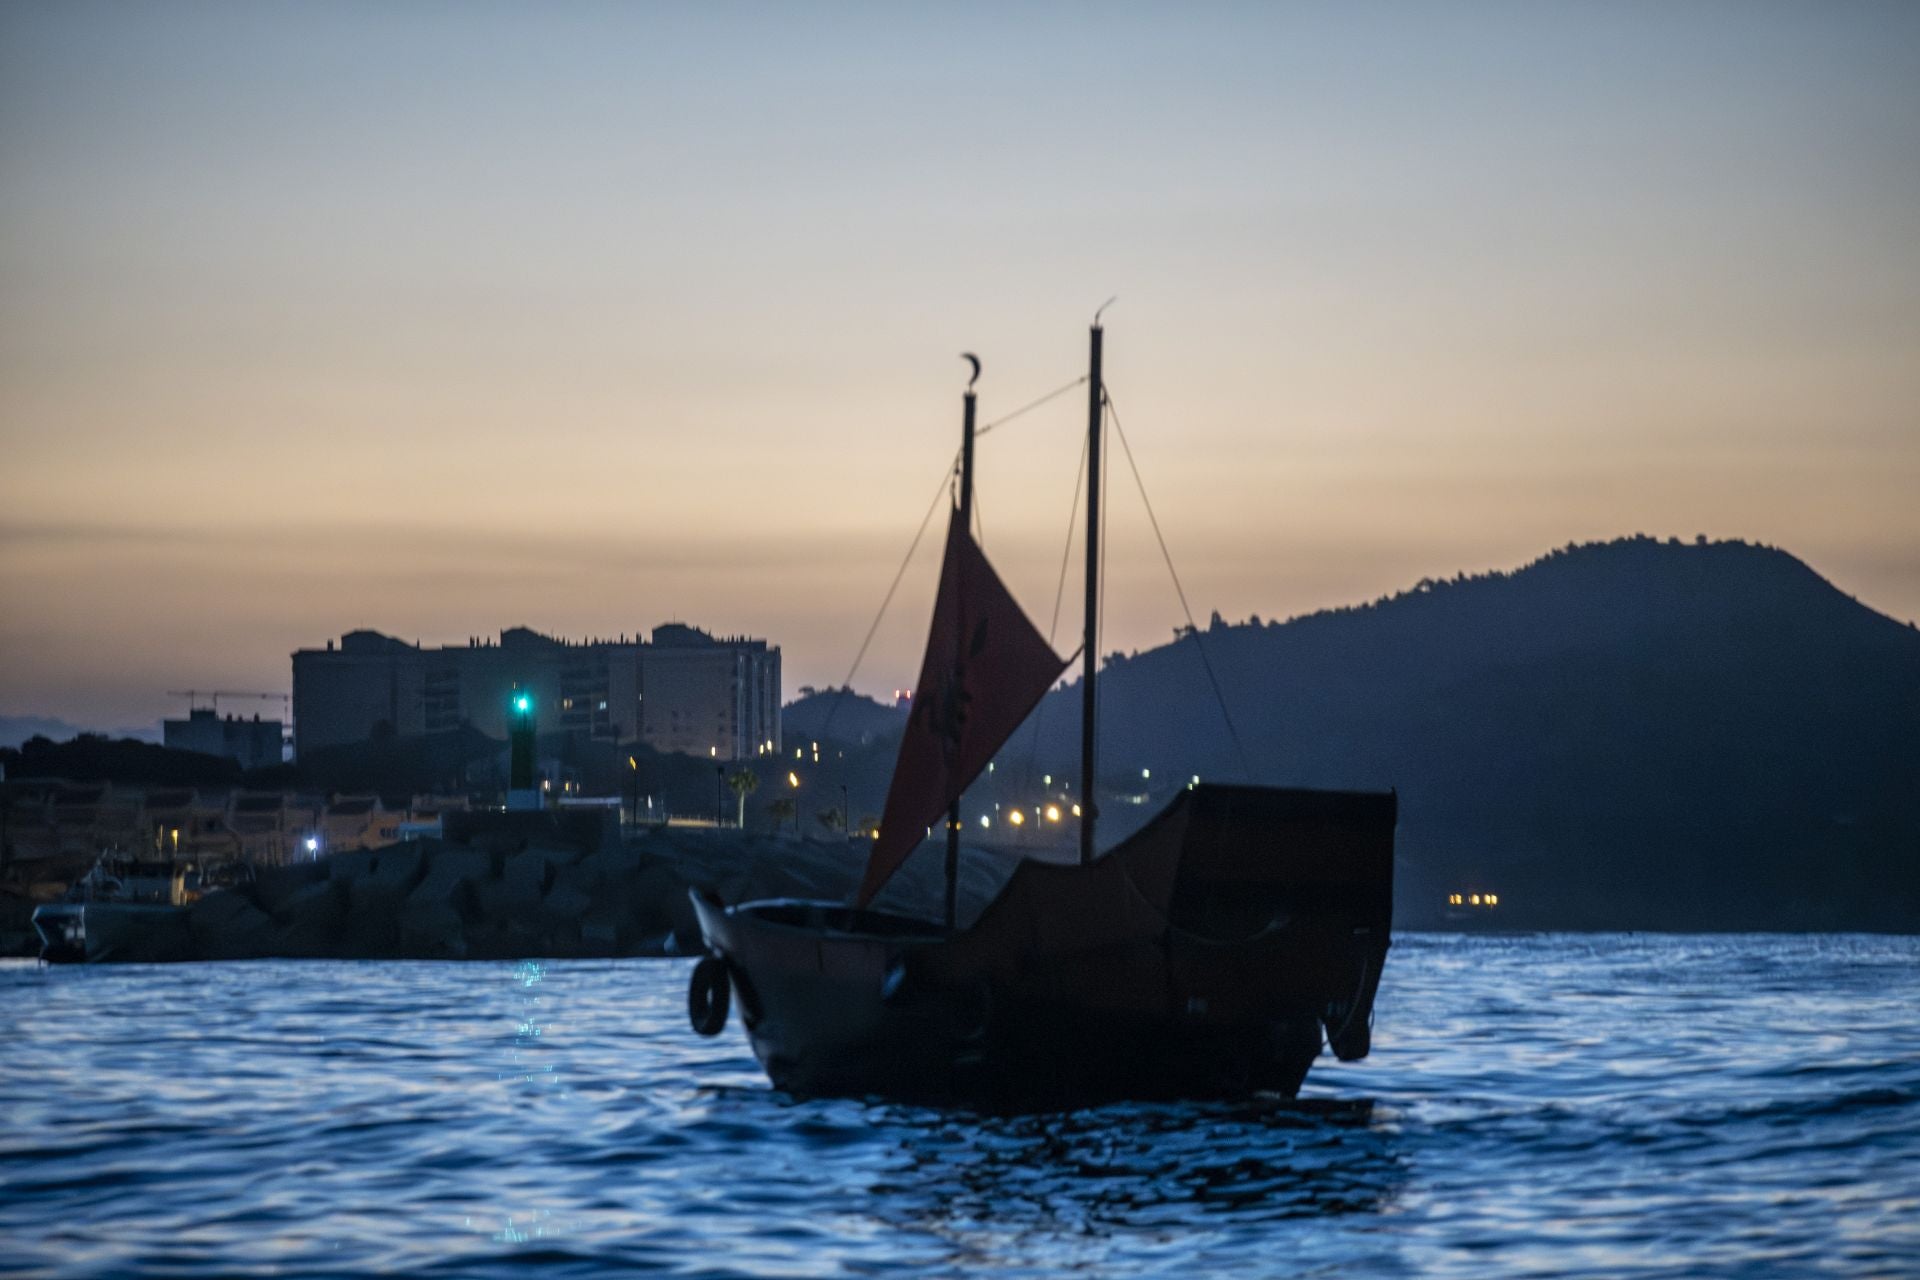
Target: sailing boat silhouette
1211,954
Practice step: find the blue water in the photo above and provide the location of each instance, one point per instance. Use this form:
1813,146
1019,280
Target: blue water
1553,1106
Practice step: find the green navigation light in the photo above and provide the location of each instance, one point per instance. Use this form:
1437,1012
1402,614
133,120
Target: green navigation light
523,703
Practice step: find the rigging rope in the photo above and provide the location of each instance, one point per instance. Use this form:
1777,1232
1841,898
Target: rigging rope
1059,594
948,481
1032,405
1245,768
1066,552
945,481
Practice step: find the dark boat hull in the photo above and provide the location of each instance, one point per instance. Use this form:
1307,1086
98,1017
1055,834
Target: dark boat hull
99,932
1210,956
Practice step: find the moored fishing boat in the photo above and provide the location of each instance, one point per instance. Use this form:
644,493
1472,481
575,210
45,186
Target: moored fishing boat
1213,953
130,909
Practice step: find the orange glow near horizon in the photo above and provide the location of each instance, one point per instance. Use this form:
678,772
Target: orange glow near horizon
328,318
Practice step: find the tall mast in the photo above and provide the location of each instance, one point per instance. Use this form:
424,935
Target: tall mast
965,517
1091,648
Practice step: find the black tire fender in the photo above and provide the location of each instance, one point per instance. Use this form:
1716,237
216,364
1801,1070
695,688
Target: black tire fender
708,995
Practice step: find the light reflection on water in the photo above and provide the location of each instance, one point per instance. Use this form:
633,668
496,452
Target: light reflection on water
1542,1105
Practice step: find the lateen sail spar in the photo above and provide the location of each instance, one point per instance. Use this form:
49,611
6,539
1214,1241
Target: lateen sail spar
986,667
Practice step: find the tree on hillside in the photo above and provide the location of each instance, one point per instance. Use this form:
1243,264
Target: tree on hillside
744,783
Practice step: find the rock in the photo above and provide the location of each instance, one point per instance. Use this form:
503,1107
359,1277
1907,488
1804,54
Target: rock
226,926
530,873
432,931
375,898
353,864
448,869
496,904
560,939
600,932
613,863
309,921
566,904
273,886
397,867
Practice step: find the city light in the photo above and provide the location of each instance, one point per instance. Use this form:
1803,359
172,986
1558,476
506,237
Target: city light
1146,773
1076,811
1016,817
1053,813
793,779
985,821
313,844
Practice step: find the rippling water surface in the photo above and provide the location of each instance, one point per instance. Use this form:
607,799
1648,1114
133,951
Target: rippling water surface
1555,1105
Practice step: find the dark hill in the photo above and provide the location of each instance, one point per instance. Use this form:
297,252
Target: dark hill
1634,734
841,714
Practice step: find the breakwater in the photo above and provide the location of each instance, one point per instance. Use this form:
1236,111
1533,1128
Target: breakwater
510,887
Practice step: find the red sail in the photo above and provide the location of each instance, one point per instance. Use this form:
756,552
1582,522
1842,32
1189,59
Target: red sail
986,668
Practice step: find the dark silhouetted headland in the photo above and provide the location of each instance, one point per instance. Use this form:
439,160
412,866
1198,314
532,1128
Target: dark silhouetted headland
1629,735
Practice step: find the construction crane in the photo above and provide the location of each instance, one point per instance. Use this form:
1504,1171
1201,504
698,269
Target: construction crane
213,697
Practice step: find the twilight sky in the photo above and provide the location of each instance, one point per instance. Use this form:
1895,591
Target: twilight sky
441,318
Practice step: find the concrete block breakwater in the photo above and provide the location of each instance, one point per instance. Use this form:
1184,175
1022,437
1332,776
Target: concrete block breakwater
515,893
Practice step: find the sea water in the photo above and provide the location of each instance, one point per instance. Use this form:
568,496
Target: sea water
1555,1105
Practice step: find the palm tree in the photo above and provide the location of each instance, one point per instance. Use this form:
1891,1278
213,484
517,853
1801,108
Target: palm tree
744,783
782,809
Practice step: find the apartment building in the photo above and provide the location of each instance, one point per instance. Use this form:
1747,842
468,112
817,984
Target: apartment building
680,690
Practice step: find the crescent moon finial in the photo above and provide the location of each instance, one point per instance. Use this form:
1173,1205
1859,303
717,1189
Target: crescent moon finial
973,360
1103,306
